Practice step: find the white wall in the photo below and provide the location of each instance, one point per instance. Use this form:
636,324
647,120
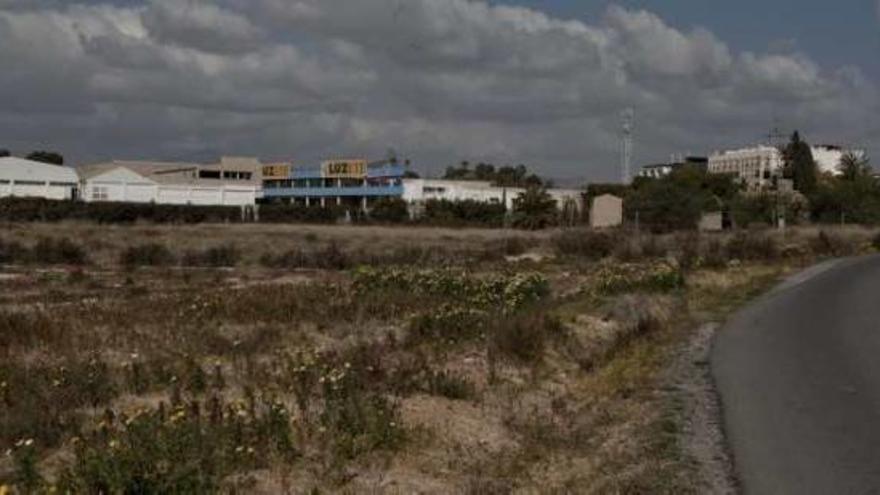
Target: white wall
421,190
123,185
45,190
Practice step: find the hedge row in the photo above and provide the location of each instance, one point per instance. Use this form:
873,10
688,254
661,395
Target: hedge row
388,211
43,210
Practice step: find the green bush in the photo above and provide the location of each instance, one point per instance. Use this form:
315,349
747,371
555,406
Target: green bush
44,210
389,210
284,213
191,448
467,213
620,278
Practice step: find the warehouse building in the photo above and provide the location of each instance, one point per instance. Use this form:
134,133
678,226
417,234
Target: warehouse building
27,178
232,182
419,191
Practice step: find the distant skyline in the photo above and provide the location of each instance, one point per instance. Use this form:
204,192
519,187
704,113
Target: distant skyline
524,81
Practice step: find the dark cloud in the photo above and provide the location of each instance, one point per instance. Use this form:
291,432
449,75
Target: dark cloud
440,80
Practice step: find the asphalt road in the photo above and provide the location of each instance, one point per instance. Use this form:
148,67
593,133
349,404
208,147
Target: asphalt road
799,377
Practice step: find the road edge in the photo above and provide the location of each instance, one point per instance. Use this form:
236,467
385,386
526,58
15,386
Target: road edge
703,438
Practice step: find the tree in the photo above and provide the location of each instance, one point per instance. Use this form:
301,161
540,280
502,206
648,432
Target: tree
4,153
800,166
678,200
535,209
854,167
50,157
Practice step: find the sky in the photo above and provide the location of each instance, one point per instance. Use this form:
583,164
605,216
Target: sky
538,82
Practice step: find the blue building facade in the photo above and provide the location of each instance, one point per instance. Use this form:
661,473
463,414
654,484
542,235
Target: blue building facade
334,182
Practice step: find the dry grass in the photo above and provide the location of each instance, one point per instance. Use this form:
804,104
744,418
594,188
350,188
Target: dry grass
473,380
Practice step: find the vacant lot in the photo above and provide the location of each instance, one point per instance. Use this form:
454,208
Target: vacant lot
273,359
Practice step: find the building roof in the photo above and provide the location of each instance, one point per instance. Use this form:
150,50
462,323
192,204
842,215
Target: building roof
170,173
143,168
19,169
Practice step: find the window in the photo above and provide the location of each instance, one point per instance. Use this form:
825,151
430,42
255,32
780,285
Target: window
100,193
434,190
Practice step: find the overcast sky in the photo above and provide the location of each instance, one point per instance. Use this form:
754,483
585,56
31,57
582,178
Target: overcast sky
535,82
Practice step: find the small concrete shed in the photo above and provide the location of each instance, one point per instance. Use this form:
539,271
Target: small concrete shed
606,211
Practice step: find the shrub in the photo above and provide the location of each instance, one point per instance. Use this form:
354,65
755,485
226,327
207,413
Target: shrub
58,252
523,337
283,213
591,245
467,213
831,244
44,210
150,254
449,324
506,293
226,255
750,246
330,257
12,252
389,210
452,386
192,448
624,277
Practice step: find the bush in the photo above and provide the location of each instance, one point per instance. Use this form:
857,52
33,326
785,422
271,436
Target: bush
193,448
467,213
226,255
330,257
452,386
831,244
585,244
623,277
44,210
749,246
61,251
151,254
523,337
12,252
284,213
389,210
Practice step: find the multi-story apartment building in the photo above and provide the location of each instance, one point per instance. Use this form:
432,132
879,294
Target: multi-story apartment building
754,167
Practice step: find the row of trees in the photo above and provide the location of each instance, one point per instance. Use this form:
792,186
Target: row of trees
38,156
505,176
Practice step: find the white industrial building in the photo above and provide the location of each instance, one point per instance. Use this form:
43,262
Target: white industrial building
27,178
418,191
233,182
828,156
756,166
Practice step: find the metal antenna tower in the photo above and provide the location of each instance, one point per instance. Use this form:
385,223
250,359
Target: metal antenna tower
628,119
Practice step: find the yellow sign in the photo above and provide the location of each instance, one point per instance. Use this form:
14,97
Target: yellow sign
276,171
344,169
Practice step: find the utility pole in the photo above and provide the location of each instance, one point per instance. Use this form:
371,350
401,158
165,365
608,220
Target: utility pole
628,119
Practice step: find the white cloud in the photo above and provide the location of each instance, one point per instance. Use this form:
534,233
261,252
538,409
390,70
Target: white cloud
441,80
